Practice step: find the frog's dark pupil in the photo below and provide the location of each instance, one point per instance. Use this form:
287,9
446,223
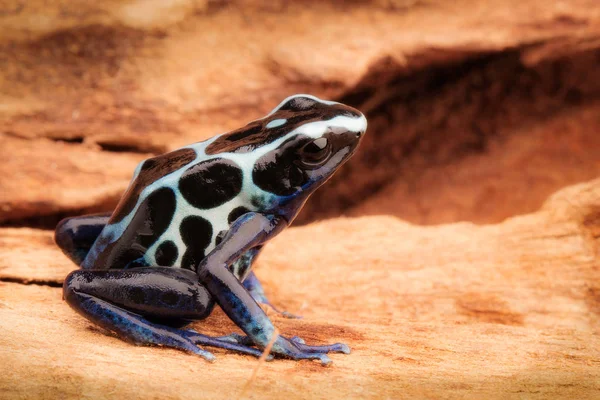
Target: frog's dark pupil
315,152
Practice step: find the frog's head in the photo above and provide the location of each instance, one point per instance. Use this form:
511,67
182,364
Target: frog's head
319,137
293,150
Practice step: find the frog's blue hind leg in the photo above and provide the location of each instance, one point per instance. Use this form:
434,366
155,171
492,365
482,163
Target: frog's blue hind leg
75,236
130,302
253,285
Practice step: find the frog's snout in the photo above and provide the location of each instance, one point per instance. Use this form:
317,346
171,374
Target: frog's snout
361,126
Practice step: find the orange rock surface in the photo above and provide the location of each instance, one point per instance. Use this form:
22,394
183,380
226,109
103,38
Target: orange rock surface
453,311
455,273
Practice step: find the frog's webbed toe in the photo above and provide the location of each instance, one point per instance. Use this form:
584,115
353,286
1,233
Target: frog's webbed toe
328,348
291,349
186,344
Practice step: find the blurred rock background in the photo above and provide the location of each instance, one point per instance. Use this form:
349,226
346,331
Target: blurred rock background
477,111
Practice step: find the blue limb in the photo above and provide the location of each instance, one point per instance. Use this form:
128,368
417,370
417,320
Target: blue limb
247,232
75,236
299,342
138,304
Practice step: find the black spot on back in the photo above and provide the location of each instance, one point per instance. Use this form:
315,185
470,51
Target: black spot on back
236,213
166,254
152,170
196,232
298,111
160,208
150,221
211,183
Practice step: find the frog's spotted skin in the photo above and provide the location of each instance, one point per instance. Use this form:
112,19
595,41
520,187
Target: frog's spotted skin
198,208
199,193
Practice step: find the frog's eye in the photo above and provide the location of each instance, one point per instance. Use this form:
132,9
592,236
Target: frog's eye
315,152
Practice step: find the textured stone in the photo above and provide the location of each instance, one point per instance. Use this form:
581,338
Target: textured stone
453,311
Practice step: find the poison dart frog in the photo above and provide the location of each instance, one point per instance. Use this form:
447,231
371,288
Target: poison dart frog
186,232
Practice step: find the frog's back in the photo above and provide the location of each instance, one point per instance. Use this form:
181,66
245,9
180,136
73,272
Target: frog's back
172,212
152,171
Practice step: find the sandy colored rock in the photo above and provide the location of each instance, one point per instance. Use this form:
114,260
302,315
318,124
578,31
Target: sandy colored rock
44,177
454,311
477,112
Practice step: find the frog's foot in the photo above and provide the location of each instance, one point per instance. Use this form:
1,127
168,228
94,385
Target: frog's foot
136,329
296,348
203,340
297,341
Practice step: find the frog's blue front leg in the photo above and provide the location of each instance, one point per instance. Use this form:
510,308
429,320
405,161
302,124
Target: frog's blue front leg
249,231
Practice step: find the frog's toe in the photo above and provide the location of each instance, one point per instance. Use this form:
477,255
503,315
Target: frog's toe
207,355
330,348
236,338
297,339
325,360
285,314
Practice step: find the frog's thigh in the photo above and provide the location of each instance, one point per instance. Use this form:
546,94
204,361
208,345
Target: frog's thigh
75,236
157,293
